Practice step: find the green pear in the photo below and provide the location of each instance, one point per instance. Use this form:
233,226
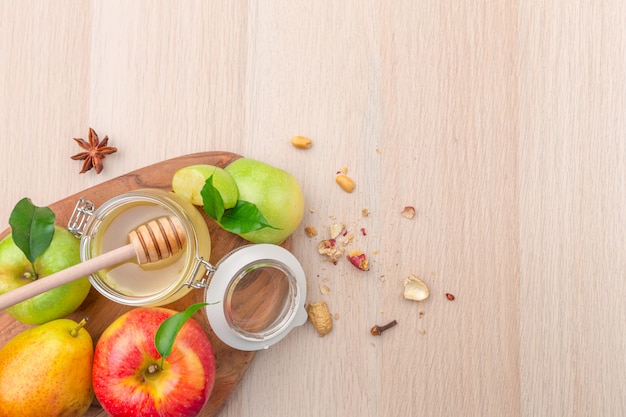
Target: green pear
46,371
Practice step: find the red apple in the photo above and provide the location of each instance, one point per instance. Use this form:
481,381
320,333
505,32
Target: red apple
128,378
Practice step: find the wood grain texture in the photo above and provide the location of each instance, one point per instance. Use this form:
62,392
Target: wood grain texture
502,123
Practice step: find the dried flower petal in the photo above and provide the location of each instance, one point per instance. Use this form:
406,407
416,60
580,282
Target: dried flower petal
415,289
359,260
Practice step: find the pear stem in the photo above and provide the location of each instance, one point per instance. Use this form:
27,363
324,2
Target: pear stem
81,324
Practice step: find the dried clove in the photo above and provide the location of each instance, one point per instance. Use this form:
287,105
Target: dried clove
378,330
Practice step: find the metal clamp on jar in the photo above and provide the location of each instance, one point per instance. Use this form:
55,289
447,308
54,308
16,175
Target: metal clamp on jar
240,314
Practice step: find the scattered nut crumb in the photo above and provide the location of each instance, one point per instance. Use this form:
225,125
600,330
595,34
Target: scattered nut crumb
330,249
379,151
420,314
365,212
346,183
336,230
336,316
320,317
301,142
415,289
312,210
324,289
408,212
422,331
310,231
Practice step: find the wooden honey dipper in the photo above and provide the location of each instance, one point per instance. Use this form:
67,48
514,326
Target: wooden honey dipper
158,239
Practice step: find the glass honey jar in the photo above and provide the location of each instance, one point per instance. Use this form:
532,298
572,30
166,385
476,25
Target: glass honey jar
255,294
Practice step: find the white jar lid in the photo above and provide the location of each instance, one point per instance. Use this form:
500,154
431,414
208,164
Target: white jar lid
256,296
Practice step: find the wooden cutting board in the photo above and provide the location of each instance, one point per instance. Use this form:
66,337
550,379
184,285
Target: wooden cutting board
231,363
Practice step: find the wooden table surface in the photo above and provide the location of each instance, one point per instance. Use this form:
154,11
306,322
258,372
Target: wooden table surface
502,122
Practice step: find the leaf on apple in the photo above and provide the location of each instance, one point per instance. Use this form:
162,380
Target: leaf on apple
212,200
168,330
243,218
32,228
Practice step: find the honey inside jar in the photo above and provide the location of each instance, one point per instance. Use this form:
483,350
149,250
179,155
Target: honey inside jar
130,278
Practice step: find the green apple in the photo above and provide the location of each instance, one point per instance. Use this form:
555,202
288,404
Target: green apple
188,182
275,193
16,270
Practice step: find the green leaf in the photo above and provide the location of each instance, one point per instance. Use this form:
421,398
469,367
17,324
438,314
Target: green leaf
32,228
168,330
212,200
243,218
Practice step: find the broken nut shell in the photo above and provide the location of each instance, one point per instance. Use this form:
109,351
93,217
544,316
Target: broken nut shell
320,317
415,289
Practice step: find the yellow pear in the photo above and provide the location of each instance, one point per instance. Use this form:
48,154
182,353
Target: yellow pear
46,371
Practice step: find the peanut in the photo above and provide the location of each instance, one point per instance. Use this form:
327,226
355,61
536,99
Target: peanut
320,317
301,142
346,183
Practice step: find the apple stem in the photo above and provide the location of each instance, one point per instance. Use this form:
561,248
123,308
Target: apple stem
30,275
81,324
153,369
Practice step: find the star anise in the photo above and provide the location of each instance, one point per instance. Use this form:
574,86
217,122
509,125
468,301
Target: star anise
95,151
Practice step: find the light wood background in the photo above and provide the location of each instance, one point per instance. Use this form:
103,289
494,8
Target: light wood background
502,122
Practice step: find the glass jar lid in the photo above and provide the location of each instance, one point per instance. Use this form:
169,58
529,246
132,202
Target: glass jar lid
256,296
